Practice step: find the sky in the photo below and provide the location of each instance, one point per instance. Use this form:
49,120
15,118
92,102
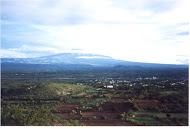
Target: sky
153,31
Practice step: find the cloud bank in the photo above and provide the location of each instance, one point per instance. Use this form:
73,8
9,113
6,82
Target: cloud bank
155,31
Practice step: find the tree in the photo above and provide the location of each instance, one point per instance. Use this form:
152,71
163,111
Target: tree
73,123
80,112
100,109
18,115
124,116
73,112
12,115
129,113
167,115
103,117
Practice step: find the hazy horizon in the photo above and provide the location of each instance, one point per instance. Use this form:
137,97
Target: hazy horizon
155,31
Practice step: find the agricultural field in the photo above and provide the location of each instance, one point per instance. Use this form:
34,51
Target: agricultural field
88,102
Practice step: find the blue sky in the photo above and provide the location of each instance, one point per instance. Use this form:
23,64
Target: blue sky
155,31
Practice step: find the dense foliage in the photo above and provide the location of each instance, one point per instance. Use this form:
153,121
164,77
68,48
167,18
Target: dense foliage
19,115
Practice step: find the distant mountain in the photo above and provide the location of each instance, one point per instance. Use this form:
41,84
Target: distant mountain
82,59
67,58
127,67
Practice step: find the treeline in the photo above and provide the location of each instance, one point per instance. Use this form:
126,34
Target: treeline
19,115
16,115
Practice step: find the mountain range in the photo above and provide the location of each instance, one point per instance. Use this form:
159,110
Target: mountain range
82,59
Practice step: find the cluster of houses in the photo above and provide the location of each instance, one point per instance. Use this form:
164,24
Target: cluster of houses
111,83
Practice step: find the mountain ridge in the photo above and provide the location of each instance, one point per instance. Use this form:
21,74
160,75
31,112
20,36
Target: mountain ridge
82,59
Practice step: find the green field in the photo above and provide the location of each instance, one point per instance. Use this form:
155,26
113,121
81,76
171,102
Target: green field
72,100
91,103
49,105
156,118
163,115
147,120
168,92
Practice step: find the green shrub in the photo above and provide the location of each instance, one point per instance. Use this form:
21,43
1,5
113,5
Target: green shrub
17,115
73,123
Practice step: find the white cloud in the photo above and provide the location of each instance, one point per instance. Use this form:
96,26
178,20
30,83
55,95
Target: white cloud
12,54
134,42
138,30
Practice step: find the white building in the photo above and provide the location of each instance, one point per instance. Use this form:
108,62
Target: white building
109,86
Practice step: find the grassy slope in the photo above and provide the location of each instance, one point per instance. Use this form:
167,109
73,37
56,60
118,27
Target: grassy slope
55,90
